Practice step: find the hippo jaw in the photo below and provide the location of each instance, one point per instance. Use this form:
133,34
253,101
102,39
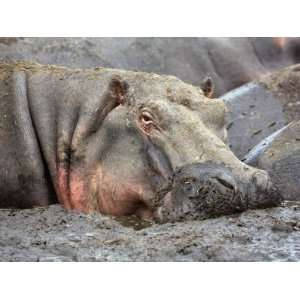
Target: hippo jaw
205,190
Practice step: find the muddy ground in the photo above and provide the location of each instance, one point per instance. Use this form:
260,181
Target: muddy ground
52,234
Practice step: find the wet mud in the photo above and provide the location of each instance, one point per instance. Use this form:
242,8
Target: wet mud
52,234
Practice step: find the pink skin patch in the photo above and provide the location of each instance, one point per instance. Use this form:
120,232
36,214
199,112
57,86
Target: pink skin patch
62,189
101,192
71,193
120,197
77,193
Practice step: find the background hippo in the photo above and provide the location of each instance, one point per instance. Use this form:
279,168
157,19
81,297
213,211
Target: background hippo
118,142
262,107
258,114
230,62
279,154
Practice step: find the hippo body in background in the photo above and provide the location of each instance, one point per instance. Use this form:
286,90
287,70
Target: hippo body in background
118,142
262,107
279,154
230,62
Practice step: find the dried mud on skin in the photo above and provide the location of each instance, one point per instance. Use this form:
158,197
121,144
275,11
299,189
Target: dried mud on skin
52,234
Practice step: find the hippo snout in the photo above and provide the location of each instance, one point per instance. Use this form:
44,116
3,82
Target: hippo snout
205,190
201,180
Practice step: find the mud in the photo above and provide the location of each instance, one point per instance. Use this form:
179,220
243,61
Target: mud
52,234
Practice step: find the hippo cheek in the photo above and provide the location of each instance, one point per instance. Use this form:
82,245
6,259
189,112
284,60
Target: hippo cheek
120,196
100,191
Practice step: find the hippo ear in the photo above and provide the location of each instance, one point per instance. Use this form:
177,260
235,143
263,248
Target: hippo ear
207,87
118,89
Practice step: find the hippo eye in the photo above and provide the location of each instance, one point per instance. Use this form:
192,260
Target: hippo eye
146,122
146,117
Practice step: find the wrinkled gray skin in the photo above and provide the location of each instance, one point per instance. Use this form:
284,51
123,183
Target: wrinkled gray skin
230,62
258,109
113,141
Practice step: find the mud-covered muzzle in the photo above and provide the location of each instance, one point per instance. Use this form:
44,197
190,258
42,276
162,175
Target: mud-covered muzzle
205,190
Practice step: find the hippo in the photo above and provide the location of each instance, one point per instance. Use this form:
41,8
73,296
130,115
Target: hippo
230,62
279,154
120,143
261,107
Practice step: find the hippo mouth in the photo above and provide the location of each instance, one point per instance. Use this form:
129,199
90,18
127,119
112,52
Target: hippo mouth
206,190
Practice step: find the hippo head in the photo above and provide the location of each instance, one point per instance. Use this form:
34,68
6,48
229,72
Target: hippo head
161,153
